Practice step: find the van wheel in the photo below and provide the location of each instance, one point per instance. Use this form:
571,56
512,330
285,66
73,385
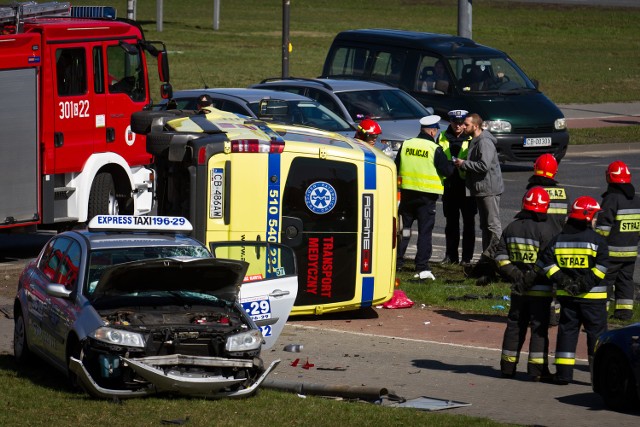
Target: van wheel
102,199
617,385
141,120
20,345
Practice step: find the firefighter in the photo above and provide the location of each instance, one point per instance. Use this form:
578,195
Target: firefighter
545,169
619,223
455,201
544,173
369,131
576,260
205,104
516,256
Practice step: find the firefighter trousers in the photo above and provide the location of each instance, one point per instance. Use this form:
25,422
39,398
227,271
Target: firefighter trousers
574,313
452,208
620,286
526,311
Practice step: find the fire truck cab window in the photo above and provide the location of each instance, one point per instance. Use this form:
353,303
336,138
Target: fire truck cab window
125,73
71,70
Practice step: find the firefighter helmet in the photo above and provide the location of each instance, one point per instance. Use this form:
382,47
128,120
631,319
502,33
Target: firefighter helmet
618,173
546,165
536,200
584,208
368,127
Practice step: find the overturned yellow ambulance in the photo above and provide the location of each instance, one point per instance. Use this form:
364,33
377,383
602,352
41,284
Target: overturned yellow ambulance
329,197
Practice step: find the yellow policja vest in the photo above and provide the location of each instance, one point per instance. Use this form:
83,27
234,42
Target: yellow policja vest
417,167
443,141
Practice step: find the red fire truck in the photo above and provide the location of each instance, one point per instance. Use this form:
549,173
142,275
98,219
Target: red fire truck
69,86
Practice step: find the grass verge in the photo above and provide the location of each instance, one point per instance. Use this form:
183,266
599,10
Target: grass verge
38,397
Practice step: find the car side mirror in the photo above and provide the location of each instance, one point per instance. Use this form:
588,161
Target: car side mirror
58,290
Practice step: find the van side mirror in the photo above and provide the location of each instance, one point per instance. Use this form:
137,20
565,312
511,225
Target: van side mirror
535,82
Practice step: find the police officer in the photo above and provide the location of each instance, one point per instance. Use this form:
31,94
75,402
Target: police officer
455,200
619,223
516,255
576,260
422,165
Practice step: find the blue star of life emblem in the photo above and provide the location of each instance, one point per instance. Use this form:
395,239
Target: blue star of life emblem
320,197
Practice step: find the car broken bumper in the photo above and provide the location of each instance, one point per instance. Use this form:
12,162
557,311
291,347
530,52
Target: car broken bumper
174,381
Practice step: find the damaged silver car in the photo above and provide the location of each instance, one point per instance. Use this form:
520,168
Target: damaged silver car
129,310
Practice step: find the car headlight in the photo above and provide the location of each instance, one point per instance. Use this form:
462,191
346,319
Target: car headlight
560,124
246,341
118,337
497,126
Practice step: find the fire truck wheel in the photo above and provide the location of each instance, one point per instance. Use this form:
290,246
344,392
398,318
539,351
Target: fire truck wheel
102,199
141,120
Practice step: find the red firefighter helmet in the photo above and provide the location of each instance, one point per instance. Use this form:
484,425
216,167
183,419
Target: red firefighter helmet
618,173
546,165
584,208
369,127
536,200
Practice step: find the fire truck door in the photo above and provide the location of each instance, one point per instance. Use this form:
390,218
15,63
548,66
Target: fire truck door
126,93
74,119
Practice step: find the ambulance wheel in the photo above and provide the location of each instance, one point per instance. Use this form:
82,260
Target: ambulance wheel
102,199
141,120
158,143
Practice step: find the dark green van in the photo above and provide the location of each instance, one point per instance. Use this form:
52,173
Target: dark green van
449,72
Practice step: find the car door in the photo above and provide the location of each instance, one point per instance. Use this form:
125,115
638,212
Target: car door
270,286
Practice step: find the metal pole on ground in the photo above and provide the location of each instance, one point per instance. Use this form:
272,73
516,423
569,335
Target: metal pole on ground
216,15
285,38
465,13
159,14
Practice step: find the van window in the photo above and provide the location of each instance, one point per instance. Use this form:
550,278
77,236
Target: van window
433,76
349,61
387,67
488,74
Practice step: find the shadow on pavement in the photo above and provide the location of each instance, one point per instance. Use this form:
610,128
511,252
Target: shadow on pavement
471,317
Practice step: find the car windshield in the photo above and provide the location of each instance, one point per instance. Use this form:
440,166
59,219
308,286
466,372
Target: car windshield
102,259
382,105
311,114
488,74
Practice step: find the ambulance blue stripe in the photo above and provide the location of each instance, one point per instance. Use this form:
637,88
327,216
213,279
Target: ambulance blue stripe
369,169
367,291
272,230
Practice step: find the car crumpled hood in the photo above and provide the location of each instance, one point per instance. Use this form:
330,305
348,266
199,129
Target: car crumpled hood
219,277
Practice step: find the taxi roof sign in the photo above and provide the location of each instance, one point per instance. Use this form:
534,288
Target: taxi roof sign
159,224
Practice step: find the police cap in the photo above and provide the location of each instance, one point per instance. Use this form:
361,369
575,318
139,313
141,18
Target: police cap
430,121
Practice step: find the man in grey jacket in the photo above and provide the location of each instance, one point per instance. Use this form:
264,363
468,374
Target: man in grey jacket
484,181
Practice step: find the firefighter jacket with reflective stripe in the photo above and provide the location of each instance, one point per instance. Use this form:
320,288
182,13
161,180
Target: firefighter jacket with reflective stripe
619,222
520,245
558,204
422,166
454,146
580,254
